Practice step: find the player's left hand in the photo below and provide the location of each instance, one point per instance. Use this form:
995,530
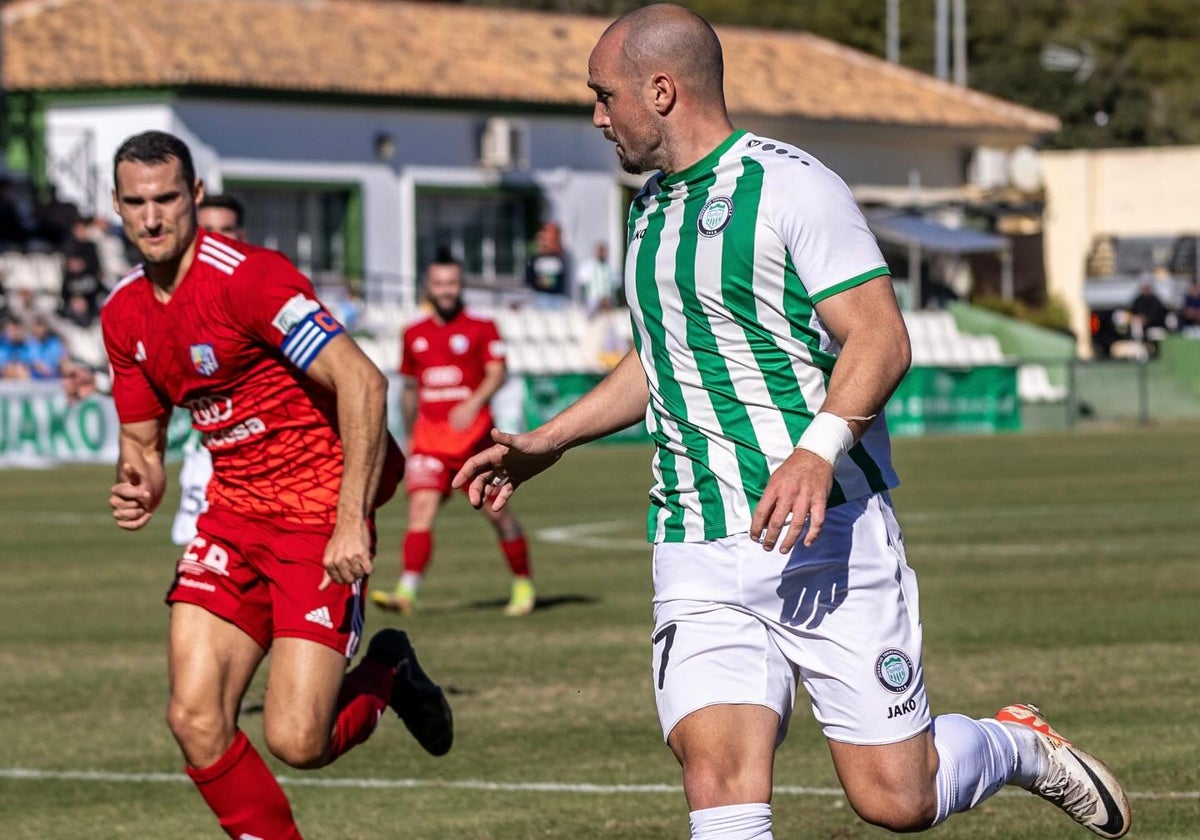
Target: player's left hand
462,415
347,554
800,487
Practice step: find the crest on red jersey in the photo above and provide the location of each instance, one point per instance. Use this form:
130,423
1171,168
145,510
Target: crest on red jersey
204,359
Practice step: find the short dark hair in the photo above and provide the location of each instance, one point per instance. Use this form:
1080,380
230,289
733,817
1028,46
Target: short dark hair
444,256
156,147
224,201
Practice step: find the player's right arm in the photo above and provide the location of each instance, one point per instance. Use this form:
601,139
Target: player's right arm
410,371
144,414
408,404
141,479
618,402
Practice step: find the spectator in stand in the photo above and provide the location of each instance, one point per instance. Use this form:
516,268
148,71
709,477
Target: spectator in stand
53,219
44,351
1189,315
546,271
26,305
78,312
14,232
81,272
110,248
14,350
597,280
1147,311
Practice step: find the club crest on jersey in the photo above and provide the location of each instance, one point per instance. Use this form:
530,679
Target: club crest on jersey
894,670
204,359
715,215
459,344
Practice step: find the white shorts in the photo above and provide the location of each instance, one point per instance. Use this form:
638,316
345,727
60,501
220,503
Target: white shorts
193,484
736,624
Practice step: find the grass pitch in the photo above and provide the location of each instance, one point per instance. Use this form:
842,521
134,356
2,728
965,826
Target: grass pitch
1056,569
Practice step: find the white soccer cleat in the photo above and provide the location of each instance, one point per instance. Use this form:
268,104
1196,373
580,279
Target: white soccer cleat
1078,783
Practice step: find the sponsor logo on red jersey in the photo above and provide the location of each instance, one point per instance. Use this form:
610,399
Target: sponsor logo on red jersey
210,410
224,438
442,376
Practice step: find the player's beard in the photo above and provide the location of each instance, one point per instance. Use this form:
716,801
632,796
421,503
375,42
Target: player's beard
448,314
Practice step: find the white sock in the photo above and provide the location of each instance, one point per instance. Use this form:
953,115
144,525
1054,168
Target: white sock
411,581
976,759
751,821
1031,761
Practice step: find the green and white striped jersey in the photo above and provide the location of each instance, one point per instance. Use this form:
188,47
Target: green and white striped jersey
726,260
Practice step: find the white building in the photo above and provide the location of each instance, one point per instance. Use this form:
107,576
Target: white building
362,135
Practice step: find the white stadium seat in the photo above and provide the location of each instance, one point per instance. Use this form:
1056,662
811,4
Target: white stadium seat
1034,385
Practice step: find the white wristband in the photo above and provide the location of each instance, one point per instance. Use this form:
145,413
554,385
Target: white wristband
828,436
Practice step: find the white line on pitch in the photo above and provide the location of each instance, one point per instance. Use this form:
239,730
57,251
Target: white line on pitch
592,535
21,773
55,517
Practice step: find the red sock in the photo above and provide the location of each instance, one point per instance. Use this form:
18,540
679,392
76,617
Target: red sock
516,551
418,549
363,697
244,795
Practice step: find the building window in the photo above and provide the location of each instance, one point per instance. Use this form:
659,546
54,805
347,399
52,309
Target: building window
314,225
488,230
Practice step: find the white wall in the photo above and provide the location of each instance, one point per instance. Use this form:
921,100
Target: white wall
569,160
109,126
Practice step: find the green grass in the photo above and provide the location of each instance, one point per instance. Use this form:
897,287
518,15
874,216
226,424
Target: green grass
1060,569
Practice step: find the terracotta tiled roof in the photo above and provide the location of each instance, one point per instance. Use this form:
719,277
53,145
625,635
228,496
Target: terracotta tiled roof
434,51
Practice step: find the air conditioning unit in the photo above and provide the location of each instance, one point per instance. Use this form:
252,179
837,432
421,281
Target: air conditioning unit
988,168
503,144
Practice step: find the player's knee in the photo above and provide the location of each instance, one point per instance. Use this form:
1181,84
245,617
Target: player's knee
203,733
710,784
895,810
302,747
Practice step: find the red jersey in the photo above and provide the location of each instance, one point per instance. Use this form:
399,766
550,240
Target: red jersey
231,346
448,361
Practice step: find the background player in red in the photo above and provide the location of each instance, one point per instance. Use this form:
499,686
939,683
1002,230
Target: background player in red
453,363
293,414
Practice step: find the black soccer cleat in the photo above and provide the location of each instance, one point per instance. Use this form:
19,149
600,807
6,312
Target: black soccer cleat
418,700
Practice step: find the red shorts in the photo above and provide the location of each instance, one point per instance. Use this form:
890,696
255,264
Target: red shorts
434,471
262,576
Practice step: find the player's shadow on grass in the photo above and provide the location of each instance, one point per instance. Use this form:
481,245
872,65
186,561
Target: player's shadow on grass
544,602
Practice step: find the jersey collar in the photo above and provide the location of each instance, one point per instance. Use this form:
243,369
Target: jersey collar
706,163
